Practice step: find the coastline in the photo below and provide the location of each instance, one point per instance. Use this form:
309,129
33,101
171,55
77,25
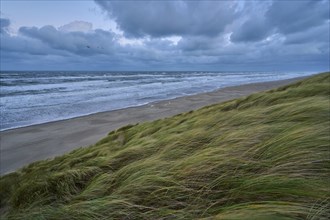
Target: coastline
21,146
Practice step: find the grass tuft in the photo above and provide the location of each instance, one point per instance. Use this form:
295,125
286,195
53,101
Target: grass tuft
264,156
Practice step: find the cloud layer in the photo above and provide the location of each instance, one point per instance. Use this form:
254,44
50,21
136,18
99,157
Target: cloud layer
180,35
165,18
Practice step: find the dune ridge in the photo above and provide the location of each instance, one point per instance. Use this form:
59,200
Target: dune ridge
264,156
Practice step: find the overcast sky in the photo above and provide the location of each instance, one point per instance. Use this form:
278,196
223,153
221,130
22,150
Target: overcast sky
165,35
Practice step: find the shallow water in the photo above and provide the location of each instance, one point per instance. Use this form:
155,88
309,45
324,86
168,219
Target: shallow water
28,98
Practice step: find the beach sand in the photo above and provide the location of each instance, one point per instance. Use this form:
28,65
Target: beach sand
21,146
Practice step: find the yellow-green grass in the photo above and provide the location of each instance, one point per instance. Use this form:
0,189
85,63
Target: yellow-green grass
265,156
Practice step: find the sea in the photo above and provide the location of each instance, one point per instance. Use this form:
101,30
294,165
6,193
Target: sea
30,97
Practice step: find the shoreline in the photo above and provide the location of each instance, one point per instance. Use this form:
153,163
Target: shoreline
24,145
136,105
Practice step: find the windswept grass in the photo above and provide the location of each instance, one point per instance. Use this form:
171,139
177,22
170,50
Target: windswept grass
265,156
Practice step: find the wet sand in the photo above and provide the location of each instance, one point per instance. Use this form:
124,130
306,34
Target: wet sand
21,146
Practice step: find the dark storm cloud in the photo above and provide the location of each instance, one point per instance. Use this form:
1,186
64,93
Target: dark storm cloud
165,18
254,29
4,24
318,34
97,42
93,49
23,45
285,17
199,43
211,35
51,48
295,16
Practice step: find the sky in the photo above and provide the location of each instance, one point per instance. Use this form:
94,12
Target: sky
165,35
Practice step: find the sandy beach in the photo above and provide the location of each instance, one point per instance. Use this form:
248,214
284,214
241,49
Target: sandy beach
22,146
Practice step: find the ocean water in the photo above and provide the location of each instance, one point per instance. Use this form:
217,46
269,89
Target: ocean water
28,98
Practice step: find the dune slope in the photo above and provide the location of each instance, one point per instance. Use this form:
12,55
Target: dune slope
265,156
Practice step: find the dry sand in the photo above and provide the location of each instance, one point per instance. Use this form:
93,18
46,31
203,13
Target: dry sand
21,146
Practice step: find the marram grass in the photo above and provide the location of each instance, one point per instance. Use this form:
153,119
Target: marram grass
265,156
